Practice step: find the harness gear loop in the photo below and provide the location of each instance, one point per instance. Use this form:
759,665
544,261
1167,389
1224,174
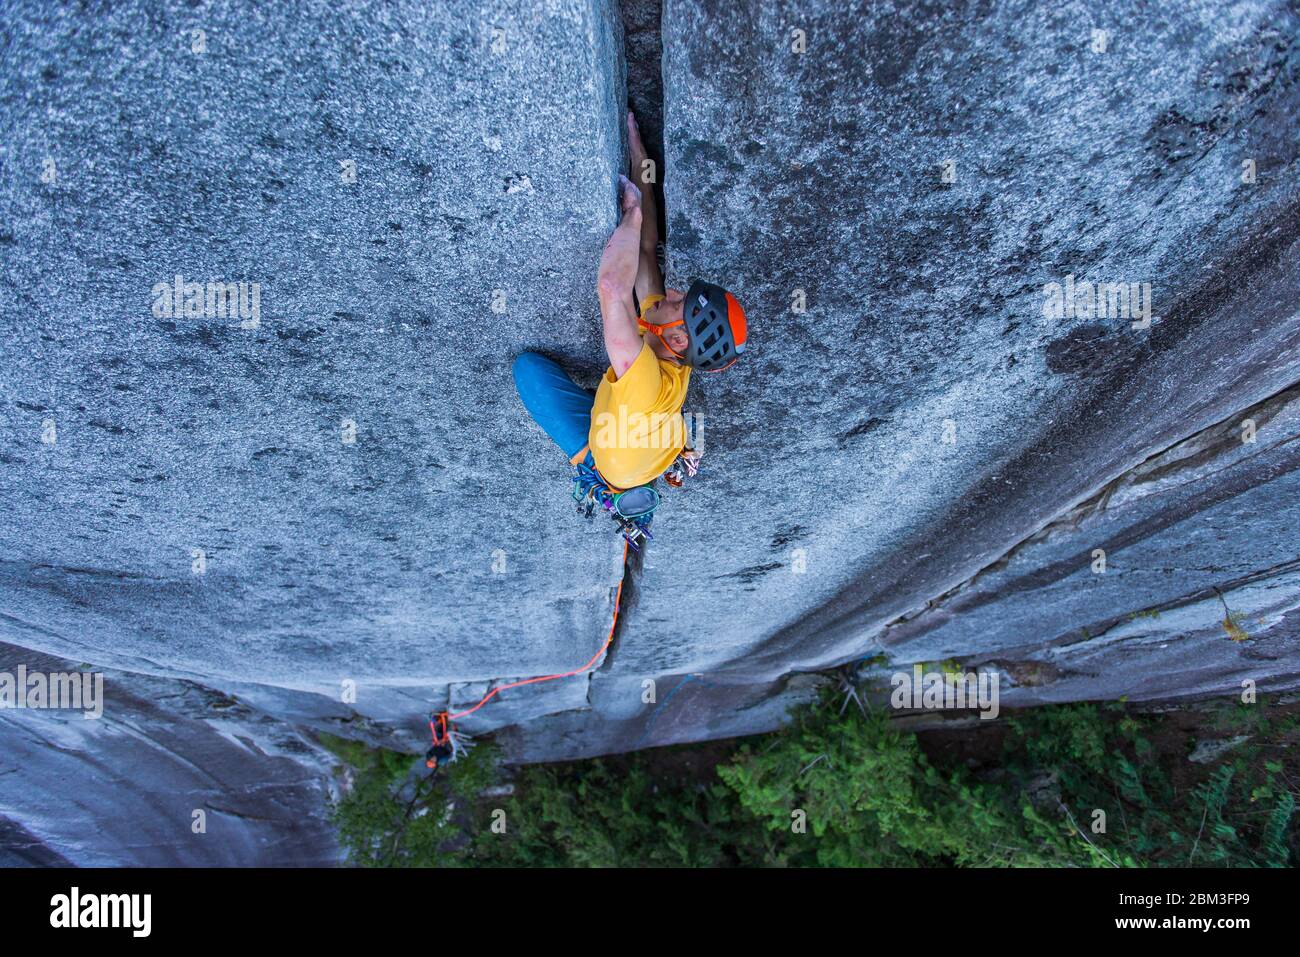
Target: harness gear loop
683,467
632,509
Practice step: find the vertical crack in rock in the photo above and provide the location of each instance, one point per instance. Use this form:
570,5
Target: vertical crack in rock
626,598
643,55
811,171
643,52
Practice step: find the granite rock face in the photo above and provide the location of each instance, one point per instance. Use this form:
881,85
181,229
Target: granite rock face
917,459
419,193
416,206
169,774
891,190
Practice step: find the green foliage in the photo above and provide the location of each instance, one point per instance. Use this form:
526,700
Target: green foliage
1274,841
395,815
868,794
852,789
1237,815
594,814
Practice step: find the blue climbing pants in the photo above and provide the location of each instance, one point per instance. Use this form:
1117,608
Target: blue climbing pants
558,404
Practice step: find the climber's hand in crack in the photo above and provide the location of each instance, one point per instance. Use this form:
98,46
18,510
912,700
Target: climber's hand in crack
636,154
631,196
661,308
630,267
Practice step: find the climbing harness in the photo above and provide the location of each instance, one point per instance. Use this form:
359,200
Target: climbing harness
449,744
632,510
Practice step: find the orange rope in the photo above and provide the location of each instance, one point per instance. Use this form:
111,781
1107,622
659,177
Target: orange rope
568,674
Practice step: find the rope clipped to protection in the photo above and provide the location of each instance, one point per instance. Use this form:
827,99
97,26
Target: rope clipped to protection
449,744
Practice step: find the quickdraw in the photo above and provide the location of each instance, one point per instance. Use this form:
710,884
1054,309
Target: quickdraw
445,748
683,467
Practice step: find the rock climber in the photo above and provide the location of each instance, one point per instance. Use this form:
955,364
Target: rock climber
631,431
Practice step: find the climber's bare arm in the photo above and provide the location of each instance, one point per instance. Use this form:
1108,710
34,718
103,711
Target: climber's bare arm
649,280
616,280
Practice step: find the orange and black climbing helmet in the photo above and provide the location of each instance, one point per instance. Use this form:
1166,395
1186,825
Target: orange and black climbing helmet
715,325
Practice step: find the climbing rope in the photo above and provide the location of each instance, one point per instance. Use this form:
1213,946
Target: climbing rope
589,490
449,744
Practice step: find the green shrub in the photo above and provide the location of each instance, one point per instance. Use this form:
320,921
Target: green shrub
852,789
869,795
395,816
1238,814
593,814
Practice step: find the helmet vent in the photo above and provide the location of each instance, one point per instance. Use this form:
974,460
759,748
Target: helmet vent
714,322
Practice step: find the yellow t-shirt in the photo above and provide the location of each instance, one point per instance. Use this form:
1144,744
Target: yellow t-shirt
637,429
